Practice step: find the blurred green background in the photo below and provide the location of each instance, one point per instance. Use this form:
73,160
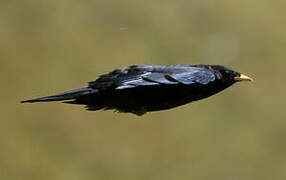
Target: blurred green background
48,47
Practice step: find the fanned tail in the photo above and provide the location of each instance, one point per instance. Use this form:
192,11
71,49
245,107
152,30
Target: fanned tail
63,96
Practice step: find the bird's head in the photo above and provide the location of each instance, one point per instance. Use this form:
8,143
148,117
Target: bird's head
228,75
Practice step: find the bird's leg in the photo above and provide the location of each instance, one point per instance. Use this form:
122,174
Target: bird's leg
140,111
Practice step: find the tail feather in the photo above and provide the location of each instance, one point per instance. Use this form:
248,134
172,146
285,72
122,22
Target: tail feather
63,96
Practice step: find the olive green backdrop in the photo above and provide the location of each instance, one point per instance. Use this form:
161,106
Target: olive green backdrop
48,47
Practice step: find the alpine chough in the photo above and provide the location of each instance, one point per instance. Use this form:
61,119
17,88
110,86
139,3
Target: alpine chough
142,88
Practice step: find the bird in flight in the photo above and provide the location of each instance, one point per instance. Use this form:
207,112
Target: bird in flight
142,88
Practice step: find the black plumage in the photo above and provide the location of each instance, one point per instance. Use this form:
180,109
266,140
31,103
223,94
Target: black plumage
142,88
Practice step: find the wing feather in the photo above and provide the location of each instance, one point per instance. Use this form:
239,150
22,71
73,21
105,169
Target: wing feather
200,76
158,78
167,77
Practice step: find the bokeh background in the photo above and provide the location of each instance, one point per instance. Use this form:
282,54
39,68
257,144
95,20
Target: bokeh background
48,47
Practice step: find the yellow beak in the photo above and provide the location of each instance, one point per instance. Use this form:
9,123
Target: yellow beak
243,77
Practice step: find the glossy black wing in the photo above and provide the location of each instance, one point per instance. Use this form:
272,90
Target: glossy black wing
201,76
130,81
120,77
167,75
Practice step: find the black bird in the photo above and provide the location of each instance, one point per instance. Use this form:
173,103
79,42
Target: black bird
141,88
